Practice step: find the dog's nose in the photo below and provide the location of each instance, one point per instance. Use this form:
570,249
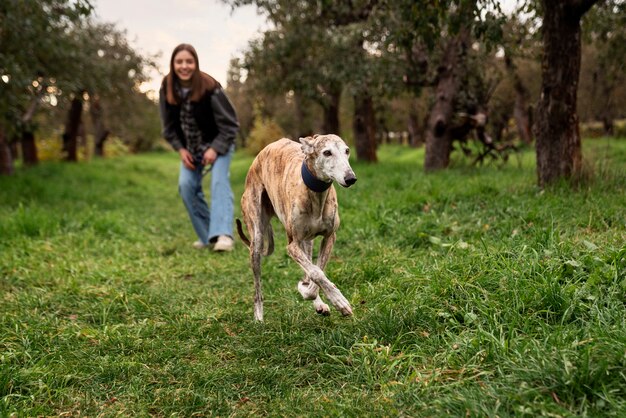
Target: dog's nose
350,179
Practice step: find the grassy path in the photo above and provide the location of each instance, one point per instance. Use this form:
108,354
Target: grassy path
475,294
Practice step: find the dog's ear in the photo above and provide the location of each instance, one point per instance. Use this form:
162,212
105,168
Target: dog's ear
307,144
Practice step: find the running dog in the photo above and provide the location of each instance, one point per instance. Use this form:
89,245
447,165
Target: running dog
294,182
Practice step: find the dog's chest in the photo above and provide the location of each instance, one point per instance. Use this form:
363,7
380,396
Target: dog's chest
311,220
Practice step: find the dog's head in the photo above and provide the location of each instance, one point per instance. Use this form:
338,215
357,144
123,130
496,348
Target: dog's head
328,156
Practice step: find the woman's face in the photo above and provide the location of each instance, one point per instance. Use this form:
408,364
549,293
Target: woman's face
184,66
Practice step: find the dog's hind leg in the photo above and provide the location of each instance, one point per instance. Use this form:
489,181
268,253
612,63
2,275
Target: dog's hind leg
254,220
256,247
317,276
255,261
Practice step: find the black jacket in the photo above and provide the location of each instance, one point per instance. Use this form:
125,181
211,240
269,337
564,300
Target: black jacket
214,114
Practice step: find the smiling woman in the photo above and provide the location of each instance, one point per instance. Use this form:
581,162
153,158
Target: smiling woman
200,123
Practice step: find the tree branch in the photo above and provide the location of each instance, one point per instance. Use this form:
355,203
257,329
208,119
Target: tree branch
30,112
346,12
580,7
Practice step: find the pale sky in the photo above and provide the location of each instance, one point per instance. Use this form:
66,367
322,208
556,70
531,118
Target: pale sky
157,26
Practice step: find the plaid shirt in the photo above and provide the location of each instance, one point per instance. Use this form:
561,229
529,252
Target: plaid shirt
181,129
190,127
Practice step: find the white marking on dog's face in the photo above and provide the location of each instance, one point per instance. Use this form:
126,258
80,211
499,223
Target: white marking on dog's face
329,156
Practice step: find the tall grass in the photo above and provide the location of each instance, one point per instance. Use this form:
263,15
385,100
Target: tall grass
475,294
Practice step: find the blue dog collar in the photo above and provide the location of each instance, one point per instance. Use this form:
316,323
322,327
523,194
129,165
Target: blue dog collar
313,182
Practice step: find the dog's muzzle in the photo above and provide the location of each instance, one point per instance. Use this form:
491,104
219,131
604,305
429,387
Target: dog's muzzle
349,180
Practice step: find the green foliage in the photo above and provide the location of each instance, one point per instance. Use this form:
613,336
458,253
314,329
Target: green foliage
52,51
602,88
114,76
474,294
50,149
35,44
300,59
264,132
396,47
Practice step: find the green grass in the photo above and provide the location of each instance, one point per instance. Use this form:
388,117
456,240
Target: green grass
474,293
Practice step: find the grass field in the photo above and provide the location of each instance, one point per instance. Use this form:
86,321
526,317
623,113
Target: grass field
474,293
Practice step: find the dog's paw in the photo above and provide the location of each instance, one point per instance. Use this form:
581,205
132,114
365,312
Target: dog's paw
320,307
308,290
346,310
341,303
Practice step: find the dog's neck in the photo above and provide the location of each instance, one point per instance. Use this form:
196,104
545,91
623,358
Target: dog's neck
313,182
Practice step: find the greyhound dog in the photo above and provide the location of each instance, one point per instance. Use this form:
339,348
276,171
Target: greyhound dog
294,182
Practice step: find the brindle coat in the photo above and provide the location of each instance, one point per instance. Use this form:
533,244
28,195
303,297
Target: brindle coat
275,187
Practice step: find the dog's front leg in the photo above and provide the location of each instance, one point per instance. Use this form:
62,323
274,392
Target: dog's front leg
307,288
326,248
319,278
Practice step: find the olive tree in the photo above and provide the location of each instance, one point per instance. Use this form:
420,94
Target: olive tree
35,52
558,149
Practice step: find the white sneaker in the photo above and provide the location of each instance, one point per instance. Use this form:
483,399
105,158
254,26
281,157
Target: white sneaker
198,245
224,243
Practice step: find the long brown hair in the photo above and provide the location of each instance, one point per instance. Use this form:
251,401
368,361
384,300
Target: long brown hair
200,82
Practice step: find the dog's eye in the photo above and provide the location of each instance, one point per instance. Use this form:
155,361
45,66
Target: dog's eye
327,153
347,151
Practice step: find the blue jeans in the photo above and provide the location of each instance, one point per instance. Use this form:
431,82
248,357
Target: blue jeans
209,224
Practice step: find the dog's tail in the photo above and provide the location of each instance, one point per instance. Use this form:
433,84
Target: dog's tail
268,235
241,234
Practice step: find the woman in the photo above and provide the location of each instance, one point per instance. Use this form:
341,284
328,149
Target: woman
200,123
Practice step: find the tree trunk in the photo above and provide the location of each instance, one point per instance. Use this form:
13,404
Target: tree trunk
13,149
520,110
603,110
558,147
6,158
27,141
300,129
438,132
606,111
81,139
364,127
331,114
29,149
415,131
70,143
609,126
101,132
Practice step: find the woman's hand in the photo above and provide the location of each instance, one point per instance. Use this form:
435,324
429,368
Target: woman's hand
186,158
209,156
